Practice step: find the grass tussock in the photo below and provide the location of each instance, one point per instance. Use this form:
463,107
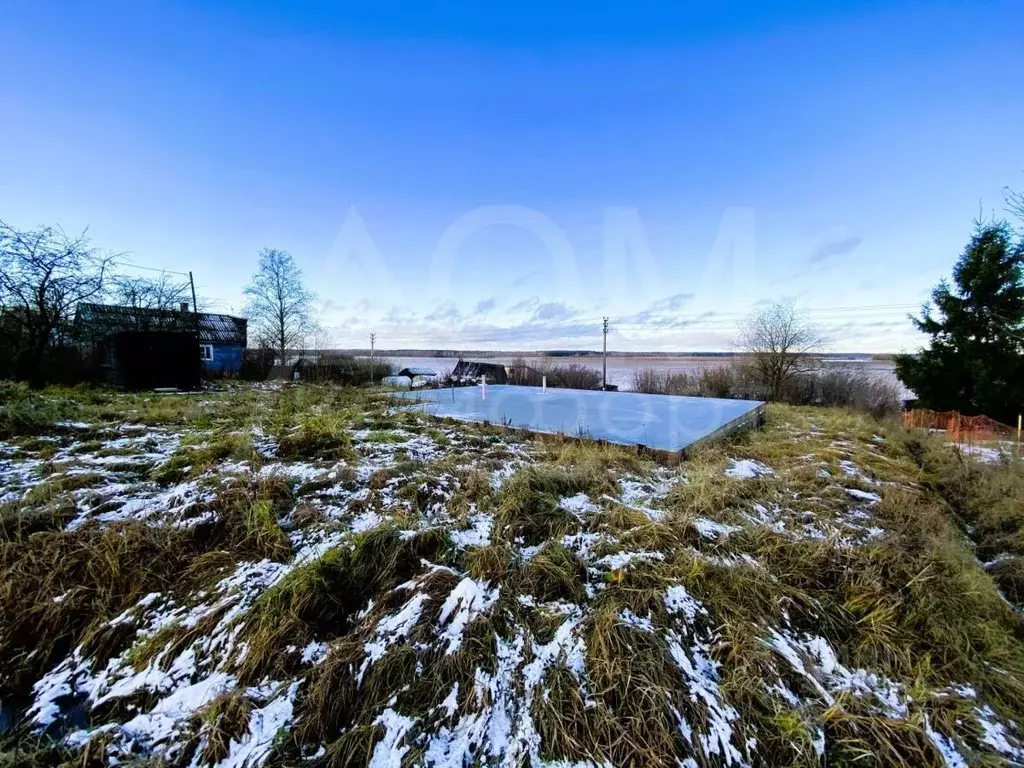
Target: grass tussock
224,719
595,459
988,500
60,589
317,438
48,506
528,505
554,573
247,517
318,600
194,460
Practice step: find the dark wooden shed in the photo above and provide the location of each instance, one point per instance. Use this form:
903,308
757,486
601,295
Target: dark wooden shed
469,372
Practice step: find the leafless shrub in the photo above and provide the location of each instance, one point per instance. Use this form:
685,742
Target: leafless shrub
840,387
345,369
779,343
648,381
719,381
859,390
522,374
573,376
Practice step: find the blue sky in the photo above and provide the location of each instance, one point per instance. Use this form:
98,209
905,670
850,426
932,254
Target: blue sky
450,176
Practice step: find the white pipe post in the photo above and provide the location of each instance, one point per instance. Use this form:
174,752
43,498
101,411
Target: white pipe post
543,383
483,386
604,355
373,338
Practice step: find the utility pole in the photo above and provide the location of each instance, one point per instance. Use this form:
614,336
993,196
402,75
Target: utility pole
373,338
604,366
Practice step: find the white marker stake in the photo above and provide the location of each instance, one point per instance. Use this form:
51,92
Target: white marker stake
543,383
483,386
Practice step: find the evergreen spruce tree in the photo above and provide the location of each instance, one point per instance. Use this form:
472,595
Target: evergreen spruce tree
974,362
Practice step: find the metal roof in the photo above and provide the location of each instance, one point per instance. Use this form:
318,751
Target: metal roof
103,320
417,371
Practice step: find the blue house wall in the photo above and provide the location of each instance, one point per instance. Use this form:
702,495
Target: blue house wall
227,358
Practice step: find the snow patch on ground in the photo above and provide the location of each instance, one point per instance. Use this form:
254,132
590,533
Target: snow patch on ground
469,599
745,469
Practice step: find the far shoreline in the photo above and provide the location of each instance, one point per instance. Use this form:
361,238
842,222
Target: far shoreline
590,355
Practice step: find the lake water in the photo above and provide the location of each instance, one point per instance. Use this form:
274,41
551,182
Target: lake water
621,369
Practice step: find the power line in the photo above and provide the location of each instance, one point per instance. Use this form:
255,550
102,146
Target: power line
149,269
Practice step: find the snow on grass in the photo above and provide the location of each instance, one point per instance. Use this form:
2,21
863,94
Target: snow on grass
163,724
996,735
144,502
493,721
619,560
645,494
689,646
944,746
366,521
389,751
502,730
679,601
298,471
584,544
413,446
314,652
181,684
579,505
870,498
390,630
846,526
814,659
477,535
985,454
711,529
450,705
468,600
746,469
627,617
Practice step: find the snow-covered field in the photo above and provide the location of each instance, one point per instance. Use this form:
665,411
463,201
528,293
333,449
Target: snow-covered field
446,595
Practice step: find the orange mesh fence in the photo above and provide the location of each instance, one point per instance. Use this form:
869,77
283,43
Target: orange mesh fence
961,429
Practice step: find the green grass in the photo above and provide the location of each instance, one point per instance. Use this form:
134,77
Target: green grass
192,460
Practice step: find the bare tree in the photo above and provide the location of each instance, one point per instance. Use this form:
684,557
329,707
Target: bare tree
44,274
1015,203
163,294
279,304
320,338
779,342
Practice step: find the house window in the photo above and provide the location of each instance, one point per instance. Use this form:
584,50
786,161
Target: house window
206,352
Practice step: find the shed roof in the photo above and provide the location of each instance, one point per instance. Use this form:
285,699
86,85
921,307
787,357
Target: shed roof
413,370
470,369
103,320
